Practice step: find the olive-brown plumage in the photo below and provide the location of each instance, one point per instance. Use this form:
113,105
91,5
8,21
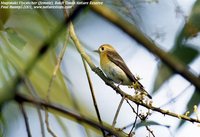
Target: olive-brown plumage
116,69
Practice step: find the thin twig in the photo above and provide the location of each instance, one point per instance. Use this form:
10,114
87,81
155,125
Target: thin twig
142,118
25,119
47,123
174,98
40,120
56,68
127,126
137,115
79,46
92,93
68,112
132,108
38,107
150,131
135,120
75,40
117,112
63,126
75,104
146,42
66,14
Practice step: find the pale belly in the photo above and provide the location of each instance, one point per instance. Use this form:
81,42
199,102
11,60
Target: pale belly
116,74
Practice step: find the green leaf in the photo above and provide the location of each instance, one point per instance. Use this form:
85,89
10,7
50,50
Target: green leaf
185,53
192,27
15,39
6,79
194,100
40,78
150,123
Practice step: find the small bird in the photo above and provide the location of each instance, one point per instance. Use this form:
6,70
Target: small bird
116,69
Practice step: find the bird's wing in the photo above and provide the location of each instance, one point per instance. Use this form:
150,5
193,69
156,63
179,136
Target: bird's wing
117,60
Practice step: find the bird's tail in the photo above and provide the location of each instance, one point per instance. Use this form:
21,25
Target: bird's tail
139,87
148,95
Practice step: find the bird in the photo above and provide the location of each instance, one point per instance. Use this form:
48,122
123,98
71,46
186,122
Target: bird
116,69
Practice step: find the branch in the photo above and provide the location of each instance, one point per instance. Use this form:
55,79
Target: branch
142,118
47,123
56,68
134,124
93,95
150,131
73,36
22,98
34,95
117,89
79,47
66,15
172,100
25,119
117,112
146,42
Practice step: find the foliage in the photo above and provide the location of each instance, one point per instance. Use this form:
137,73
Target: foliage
185,52
19,44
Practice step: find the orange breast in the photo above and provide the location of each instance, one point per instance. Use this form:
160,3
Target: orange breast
104,60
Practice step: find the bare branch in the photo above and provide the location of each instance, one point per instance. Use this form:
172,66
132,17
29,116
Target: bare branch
22,98
142,118
34,94
56,68
117,112
93,95
66,15
150,131
176,97
135,119
79,47
40,120
25,119
73,36
47,123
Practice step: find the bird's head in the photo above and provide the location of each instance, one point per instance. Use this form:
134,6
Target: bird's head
104,48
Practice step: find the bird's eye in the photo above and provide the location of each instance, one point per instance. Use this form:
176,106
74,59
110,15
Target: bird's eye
102,48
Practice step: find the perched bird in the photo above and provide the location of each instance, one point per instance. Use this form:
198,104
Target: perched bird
116,69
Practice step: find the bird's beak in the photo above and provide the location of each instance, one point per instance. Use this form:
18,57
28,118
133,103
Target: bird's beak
96,51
